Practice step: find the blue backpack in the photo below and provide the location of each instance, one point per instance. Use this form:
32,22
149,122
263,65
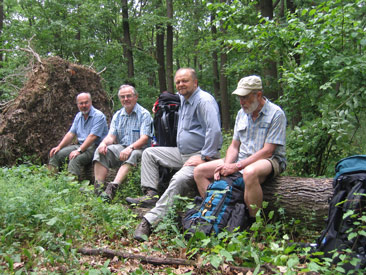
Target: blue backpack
347,206
222,207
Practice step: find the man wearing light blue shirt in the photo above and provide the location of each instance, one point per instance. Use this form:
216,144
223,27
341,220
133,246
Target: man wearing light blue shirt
198,139
129,134
90,127
258,145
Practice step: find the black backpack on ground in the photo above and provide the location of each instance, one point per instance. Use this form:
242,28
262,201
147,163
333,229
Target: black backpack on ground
222,207
165,126
346,208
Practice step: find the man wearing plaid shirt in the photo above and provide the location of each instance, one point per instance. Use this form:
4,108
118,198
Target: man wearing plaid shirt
257,149
129,134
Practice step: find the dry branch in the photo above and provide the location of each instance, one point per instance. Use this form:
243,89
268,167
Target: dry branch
109,253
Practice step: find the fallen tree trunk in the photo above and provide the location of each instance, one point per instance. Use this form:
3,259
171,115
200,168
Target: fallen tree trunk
304,199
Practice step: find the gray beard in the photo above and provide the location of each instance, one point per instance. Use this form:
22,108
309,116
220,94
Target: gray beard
252,107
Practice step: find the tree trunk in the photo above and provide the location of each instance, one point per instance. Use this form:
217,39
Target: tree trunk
1,31
270,68
266,8
225,113
160,57
169,48
215,65
127,45
304,199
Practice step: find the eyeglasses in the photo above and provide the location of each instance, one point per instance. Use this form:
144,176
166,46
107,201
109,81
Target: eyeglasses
83,103
129,96
246,97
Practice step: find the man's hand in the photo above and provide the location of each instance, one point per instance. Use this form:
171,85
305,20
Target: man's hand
194,161
224,169
102,148
125,153
74,154
54,150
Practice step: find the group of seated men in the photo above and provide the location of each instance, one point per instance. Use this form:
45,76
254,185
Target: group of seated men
257,149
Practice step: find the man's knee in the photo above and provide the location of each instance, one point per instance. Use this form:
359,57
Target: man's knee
148,153
249,173
198,171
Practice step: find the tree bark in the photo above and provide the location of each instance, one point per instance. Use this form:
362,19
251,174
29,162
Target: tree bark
1,31
215,65
160,57
225,113
169,48
304,199
270,68
127,45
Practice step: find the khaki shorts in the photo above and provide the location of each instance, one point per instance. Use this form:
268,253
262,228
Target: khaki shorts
111,159
276,167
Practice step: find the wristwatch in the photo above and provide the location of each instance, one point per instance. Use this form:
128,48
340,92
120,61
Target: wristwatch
79,150
205,158
239,165
131,147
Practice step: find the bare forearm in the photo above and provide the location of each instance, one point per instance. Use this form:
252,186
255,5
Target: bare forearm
141,142
89,141
67,139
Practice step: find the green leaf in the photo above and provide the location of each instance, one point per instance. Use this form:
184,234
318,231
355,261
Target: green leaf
227,255
352,235
215,261
52,221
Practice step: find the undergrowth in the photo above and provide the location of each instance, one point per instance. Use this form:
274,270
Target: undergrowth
44,219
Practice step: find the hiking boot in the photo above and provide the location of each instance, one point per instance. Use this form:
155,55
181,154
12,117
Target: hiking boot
98,187
111,190
147,201
142,231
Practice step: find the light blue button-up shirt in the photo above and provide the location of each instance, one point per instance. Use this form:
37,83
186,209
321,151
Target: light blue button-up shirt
269,127
130,127
95,124
199,127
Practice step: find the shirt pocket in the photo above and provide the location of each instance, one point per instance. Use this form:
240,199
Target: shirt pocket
135,134
263,128
187,121
242,131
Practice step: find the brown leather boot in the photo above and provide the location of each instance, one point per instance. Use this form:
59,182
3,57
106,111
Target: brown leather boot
111,190
142,231
98,187
147,201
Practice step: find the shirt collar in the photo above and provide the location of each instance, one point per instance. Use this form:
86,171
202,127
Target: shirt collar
91,112
134,110
190,100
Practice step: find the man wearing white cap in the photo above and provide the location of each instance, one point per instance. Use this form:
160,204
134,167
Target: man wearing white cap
257,149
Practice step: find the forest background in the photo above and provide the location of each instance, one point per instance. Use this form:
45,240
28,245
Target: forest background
310,55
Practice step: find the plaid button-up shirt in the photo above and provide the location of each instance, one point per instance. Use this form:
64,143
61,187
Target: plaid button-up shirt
130,127
269,127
